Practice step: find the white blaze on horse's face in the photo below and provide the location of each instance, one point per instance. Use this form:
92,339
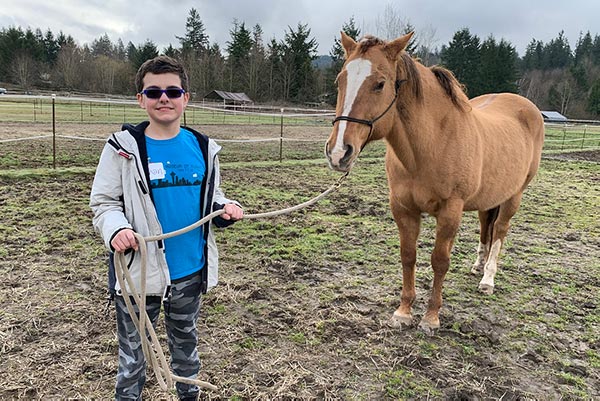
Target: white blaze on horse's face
357,72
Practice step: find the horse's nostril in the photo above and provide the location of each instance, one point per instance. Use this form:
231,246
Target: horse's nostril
348,154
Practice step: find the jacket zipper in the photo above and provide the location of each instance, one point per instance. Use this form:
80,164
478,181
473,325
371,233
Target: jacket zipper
123,152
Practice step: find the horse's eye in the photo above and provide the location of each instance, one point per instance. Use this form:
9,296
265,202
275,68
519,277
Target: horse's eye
379,86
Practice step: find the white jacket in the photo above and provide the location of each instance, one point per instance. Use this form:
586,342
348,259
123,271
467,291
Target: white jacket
121,198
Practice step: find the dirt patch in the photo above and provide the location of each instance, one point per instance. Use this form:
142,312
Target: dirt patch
303,302
589,155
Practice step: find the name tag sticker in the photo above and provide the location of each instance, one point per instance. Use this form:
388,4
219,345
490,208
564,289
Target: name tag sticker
157,171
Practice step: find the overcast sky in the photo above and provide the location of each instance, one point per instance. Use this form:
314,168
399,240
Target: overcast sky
517,21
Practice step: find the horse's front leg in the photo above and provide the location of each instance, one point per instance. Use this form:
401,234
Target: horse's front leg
409,224
448,222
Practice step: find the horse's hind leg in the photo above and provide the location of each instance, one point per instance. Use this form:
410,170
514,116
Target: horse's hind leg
501,226
486,222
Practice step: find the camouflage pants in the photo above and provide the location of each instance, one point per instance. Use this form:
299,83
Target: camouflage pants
181,313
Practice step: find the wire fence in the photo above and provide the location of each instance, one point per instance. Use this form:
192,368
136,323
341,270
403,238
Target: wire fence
38,109
246,133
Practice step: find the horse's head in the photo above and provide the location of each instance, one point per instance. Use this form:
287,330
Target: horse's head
367,90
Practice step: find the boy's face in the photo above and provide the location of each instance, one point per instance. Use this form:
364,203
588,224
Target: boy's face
164,110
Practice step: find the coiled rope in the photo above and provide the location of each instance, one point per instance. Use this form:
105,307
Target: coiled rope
150,345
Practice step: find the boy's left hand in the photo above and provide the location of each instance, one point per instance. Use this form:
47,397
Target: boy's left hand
232,212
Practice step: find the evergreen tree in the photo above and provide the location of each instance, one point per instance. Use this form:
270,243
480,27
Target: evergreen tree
557,53
120,53
256,73
593,105
195,38
171,51
498,67
275,70
51,48
462,57
215,68
534,55
299,52
138,55
65,40
583,50
102,46
238,51
595,52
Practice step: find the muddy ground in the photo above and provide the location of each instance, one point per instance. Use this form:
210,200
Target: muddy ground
302,307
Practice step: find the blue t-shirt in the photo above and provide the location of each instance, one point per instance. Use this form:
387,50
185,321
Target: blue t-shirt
176,172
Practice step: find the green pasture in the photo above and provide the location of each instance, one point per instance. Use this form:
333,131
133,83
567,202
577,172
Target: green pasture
561,137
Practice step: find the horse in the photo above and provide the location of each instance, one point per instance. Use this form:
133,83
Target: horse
445,154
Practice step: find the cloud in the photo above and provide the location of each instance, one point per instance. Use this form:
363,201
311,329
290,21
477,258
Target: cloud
161,21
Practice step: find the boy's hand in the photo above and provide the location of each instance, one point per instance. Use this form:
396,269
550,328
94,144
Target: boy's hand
124,240
232,212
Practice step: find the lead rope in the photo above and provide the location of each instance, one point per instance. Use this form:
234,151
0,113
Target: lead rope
150,345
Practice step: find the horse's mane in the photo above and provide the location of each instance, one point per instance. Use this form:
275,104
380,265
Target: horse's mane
413,76
451,85
446,79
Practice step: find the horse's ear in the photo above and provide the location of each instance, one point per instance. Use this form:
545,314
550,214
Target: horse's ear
348,44
394,47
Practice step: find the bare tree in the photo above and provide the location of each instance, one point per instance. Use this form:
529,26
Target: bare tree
23,69
106,71
68,65
425,43
530,86
391,25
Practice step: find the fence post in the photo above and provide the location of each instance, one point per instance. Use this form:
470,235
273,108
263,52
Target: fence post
562,146
34,110
53,132
583,140
281,139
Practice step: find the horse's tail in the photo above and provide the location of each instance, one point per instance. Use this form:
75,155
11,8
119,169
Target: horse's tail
491,219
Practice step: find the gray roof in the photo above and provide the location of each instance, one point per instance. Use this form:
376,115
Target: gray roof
553,116
231,96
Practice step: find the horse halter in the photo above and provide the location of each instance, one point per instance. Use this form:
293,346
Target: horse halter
371,122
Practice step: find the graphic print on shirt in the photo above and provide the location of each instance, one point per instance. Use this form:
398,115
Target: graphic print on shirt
169,174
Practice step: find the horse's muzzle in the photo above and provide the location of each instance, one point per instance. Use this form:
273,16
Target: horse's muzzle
340,161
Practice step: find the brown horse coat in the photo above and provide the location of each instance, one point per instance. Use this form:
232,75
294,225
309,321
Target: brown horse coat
445,154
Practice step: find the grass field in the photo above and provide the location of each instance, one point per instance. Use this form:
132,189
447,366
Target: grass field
39,110
303,300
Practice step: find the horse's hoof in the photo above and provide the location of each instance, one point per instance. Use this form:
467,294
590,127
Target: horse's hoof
400,321
486,289
428,327
476,270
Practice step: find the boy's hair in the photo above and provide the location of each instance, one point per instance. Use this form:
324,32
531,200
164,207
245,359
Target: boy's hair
161,65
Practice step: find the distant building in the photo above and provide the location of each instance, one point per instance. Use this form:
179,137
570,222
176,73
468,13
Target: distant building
554,117
229,97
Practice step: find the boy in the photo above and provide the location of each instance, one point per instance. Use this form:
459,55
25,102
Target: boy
154,178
